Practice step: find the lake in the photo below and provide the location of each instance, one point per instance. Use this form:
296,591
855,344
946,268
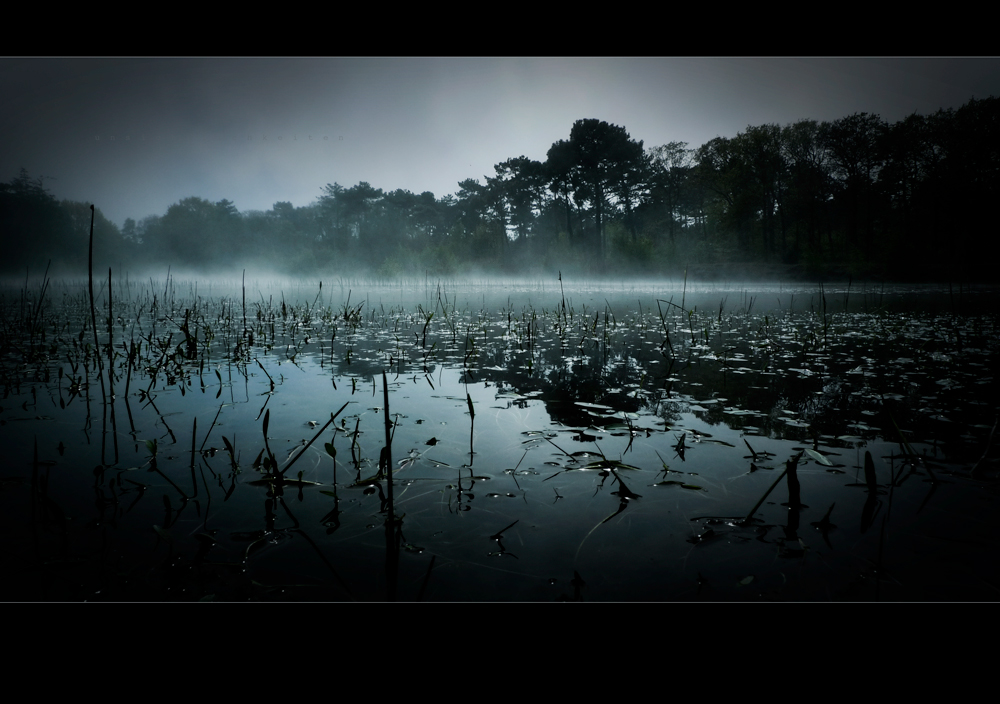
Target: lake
548,441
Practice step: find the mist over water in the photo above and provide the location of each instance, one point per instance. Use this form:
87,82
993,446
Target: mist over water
469,290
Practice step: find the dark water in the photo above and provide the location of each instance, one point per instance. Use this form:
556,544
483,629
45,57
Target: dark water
618,438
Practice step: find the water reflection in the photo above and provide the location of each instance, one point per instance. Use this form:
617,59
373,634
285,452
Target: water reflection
620,440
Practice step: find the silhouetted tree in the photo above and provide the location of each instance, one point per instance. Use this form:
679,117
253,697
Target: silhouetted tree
809,186
670,166
604,155
184,235
31,221
522,182
855,145
970,174
882,198
722,171
763,169
562,175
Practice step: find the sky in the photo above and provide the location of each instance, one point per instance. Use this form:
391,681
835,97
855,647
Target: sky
135,135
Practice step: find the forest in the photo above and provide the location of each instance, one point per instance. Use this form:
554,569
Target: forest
855,197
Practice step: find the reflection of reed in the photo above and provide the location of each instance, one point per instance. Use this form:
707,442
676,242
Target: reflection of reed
790,464
392,536
606,388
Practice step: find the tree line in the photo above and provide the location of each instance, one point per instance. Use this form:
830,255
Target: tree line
855,196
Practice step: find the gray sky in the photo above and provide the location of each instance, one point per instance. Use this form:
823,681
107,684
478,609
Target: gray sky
134,135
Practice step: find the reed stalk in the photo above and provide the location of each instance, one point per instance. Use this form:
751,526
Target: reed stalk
684,290
90,283
563,294
111,347
746,521
295,459
388,443
391,535
244,303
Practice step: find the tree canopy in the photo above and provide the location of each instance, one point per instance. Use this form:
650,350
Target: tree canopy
856,195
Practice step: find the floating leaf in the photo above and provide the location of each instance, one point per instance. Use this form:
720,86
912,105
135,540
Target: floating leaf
682,485
608,464
819,458
593,405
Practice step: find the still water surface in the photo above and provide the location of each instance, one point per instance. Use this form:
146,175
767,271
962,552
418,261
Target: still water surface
548,442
